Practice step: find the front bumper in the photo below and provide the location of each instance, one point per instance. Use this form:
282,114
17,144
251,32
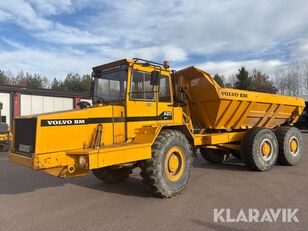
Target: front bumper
56,164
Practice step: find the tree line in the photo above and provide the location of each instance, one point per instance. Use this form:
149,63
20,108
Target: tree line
290,79
72,82
256,81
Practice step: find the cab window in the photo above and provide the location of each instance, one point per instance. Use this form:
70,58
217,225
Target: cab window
141,89
164,89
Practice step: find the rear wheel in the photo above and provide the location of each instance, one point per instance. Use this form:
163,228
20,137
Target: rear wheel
167,172
259,149
290,143
215,156
112,175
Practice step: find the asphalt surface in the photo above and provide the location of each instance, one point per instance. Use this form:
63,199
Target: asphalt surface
31,200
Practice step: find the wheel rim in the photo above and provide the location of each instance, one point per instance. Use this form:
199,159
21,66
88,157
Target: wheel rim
174,164
266,149
293,145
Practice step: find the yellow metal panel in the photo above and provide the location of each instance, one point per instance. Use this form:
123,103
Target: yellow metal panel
146,134
109,155
243,117
177,115
61,138
125,154
235,110
114,154
217,138
51,160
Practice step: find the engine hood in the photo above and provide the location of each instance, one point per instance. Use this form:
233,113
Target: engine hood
68,130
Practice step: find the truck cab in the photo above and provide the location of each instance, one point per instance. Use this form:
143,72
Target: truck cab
141,88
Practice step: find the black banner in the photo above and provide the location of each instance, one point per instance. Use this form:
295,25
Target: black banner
166,115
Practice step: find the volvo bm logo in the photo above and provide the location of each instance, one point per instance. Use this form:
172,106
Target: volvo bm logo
60,122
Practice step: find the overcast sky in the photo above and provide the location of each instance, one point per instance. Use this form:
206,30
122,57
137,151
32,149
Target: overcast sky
56,37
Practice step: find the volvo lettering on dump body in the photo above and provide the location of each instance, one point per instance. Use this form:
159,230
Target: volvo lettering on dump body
234,94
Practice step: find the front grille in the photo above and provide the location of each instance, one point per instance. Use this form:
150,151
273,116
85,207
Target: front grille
25,133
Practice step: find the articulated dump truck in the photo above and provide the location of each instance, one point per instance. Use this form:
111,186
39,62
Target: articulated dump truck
146,115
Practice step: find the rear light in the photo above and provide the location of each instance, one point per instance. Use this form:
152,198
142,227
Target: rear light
166,64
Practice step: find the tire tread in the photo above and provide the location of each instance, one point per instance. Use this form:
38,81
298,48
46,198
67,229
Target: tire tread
150,168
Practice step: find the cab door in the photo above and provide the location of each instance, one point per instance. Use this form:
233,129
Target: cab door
165,108
141,106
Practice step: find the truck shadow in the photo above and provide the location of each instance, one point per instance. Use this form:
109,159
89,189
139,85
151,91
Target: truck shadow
15,179
231,164
130,187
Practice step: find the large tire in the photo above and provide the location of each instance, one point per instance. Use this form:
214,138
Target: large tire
112,175
167,172
259,149
215,156
291,145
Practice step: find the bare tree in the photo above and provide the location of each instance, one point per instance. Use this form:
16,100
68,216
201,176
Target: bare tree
292,79
304,67
280,81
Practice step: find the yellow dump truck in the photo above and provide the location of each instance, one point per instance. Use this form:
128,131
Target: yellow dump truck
147,115
4,132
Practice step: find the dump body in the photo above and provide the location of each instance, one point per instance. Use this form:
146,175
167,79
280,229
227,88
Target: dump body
213,107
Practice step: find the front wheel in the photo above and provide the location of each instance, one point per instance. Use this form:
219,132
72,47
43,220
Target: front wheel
167,172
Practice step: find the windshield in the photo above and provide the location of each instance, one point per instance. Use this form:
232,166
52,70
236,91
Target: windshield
111,86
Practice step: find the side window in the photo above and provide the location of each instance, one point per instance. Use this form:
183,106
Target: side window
141,89
164,89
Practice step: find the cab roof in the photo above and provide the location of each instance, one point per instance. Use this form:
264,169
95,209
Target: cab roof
127,61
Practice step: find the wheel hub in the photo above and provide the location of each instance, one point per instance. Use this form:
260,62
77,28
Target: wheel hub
293,145
266,149
174,164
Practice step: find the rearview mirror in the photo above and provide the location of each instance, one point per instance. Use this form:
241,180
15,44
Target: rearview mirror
155,78
92,86
84,104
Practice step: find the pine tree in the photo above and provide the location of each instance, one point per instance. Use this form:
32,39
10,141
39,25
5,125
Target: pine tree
262,83
244,81
220,80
